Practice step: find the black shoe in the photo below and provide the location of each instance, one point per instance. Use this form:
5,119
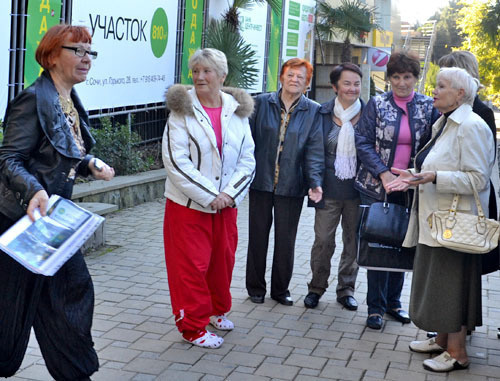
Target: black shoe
285,299
374,321
348,302
311,300
258,299
400,315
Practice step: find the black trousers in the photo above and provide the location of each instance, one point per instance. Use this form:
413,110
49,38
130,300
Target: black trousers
286,220
59,308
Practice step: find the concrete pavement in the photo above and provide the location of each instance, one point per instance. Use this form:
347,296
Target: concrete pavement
136,338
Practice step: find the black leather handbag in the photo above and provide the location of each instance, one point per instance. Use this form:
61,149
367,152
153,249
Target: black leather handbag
384,222
381,231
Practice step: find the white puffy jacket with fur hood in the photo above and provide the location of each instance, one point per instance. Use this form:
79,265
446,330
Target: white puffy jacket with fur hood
196,172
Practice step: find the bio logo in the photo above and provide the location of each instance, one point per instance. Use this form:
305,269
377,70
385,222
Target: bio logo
159,32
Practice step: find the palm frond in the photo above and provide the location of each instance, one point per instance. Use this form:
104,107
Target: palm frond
351,19
241,58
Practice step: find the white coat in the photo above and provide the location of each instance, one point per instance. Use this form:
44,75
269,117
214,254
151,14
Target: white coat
465,145
196,172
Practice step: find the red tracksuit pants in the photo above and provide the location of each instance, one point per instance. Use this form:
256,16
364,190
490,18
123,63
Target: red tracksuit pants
199,254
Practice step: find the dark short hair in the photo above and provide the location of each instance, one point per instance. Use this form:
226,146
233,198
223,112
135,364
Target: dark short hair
52,41
402,62
346,66
298,62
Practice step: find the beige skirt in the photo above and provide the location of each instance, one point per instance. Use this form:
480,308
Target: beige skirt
445,290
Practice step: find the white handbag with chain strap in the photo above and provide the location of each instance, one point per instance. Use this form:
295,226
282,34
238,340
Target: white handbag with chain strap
464,232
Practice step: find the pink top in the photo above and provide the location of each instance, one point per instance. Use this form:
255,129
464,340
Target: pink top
214,115
403,147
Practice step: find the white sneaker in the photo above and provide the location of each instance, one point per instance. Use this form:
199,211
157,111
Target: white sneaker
221,322
426,346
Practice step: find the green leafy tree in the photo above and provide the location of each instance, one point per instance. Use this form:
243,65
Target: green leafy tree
491,23
430,79
353,19
447,33
478,42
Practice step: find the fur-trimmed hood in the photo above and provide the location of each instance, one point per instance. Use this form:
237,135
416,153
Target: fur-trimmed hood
178,100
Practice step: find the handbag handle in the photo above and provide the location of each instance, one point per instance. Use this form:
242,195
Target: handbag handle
407,201
456,197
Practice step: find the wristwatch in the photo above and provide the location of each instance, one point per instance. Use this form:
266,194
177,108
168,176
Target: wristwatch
98,164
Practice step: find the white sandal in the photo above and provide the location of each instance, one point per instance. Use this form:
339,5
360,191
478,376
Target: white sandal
208,340
221,322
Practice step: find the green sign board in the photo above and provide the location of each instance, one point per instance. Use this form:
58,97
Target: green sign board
42,15
193,27
294,9
273,59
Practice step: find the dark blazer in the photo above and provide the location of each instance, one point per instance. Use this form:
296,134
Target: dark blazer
38,149
490,261
302,159
487,115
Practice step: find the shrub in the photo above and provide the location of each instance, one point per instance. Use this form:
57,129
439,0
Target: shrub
1,131
118,147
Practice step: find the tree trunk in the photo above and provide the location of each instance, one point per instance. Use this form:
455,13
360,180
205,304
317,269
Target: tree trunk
346,51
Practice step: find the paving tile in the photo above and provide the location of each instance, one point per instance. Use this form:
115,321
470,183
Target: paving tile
281,372
270,349
332,353
144,344
397,375
128,335
118,354
105,374
238,376
299,342
148,366
305,361
261,331
341,373
244,359
213,368
378,365
180,375
181,356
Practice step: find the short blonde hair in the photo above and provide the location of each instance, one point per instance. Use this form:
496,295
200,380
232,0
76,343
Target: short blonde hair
460,79
212,58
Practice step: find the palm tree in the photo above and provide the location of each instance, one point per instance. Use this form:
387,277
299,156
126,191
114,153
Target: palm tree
491,23
352,19
225,36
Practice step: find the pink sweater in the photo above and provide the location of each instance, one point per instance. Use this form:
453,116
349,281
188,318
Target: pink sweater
403,147
214,115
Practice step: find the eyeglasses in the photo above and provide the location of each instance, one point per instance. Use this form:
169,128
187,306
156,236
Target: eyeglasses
80,52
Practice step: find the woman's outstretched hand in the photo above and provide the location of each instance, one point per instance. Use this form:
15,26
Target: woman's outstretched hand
406,179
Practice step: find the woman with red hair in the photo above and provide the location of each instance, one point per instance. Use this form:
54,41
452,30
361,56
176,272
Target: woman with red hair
289,162
46,145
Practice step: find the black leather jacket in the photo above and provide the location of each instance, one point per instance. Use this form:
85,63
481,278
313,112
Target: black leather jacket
38,149
302,159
